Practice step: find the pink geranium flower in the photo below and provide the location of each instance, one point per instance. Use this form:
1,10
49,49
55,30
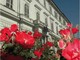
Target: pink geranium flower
72,50
61,44
74,30
69,25
65,33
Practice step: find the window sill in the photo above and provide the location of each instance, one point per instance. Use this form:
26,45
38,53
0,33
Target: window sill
9,8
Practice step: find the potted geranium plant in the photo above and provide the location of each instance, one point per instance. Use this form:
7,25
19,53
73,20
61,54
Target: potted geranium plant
15,43
22,45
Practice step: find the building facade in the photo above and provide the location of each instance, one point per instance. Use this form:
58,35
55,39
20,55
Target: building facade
30,14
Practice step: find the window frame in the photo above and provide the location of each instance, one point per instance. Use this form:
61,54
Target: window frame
52,24
57,29
55,14
26,10
50,7
9,3
45,3
37,15
46,19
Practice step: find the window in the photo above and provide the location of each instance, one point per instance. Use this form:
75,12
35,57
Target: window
52,26
57,29
60,19
64,23
26,10
46,22
55,14
50,9
37,10
29,0
37,0
60,27
45,19
9,3
37,15
45,3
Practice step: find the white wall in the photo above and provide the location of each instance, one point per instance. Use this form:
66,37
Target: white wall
32,12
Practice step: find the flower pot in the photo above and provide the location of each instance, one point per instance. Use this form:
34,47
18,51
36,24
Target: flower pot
11,57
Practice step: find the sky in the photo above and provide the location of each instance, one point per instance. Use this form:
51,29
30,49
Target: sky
70,8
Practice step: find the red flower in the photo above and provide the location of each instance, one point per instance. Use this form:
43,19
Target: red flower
74,30
49,44
27,41
5,34
76,44
72,51
30,33
37,34
4,38
37,53
61,44
44,45
65,33
42,49
14,27
6,31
